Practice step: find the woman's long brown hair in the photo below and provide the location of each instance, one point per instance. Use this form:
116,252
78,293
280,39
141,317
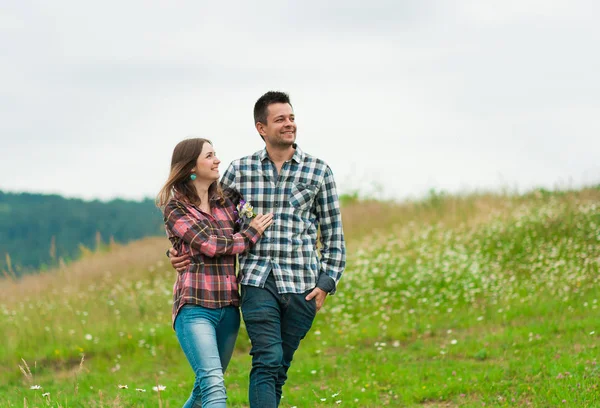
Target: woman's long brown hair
183,161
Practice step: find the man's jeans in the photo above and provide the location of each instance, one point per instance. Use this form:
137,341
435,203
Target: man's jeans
275,323
207,337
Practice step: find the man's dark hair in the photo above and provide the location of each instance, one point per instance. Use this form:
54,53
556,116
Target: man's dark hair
261,106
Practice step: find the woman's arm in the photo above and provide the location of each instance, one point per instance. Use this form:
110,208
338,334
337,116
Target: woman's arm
196,233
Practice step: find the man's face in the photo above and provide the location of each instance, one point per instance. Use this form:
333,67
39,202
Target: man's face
280,129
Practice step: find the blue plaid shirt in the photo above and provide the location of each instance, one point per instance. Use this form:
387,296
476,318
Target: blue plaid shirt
303,198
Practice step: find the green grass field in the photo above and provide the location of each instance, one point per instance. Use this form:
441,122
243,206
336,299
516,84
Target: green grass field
481,300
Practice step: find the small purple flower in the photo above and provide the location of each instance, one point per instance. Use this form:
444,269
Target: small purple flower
244,211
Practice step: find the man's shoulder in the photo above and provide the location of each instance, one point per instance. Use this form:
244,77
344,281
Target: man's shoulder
313,168
246,160
313,160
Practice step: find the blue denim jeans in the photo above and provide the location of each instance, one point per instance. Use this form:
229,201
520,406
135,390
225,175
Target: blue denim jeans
207,337
275,323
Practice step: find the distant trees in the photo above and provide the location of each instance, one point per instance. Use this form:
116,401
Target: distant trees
36,231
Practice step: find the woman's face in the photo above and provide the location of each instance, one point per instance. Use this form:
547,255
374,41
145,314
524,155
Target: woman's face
207,164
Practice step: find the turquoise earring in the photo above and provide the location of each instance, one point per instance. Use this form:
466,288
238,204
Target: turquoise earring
193,177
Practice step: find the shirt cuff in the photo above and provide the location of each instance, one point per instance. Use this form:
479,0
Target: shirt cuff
252,234
326,283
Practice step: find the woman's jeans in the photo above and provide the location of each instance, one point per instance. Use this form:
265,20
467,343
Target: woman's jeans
275,323
207,337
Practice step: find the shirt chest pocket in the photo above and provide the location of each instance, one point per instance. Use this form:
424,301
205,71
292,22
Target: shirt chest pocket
302,196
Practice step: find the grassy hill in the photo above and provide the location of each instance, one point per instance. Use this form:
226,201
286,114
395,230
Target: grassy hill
451,302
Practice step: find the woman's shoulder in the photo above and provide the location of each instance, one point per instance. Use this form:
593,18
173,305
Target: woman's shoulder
175,204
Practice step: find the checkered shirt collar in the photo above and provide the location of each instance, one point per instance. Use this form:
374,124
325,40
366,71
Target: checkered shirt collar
297,157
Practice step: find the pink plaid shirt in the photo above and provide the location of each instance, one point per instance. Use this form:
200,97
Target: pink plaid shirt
212,243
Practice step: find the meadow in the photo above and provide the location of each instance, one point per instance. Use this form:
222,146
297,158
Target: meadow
452,301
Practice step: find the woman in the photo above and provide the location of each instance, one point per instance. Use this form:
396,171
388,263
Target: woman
200,220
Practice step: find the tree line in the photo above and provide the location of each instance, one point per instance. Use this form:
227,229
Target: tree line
37,231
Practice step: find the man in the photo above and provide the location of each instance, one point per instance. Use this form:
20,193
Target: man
284,281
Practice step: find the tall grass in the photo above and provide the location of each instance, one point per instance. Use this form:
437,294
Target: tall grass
449,301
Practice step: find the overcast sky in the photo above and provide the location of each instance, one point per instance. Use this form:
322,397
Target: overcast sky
397,96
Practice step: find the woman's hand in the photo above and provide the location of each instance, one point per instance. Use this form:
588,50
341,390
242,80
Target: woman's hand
261,222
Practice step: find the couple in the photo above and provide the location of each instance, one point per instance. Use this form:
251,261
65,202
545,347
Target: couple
284,282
